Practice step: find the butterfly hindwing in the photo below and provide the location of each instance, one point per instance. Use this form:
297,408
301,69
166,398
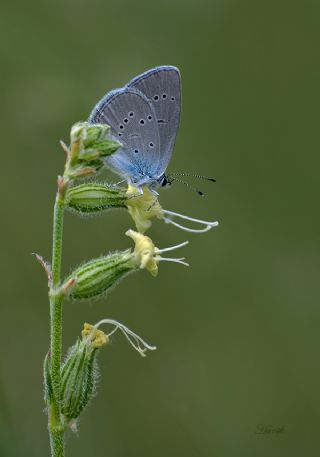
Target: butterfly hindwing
133,122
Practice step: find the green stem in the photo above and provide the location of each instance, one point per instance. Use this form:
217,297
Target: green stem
57,238
56,429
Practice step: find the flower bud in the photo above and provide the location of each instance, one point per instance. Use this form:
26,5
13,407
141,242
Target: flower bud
80,372
94,140
89,144
91,198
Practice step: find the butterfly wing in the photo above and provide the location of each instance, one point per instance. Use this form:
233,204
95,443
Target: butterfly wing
133,121
162,86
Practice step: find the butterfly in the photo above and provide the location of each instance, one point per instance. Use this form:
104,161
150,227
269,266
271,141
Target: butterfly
144,116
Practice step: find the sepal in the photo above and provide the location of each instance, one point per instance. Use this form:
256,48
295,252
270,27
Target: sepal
97,276
48,389
79,373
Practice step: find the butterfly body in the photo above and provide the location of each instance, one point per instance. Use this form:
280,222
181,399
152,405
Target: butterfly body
144,116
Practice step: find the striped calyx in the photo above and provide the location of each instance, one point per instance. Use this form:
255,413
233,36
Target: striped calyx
95,277
92,198
80,372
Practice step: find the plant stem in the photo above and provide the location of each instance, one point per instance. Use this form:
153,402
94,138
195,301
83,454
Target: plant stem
57,238
57,444
56,429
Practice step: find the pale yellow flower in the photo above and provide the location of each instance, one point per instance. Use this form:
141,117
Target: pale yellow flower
147,255
143,205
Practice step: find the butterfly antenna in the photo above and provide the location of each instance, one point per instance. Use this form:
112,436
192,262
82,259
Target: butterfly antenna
199,192
193,175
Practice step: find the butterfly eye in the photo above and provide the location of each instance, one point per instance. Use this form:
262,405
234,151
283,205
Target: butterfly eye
150,117
172,99
125,120
156,97
136,151
141,121
151,145
131,114
164,95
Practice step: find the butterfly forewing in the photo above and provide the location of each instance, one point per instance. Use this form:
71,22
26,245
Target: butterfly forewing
133,122
162,87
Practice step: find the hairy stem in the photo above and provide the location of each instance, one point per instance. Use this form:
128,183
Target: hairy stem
57,444
57,238
56,429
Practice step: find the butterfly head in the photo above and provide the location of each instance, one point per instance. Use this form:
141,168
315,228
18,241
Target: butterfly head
165,181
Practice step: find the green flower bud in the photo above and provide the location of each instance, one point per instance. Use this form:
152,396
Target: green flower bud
91,198
89,144
95,277
94,140
80,372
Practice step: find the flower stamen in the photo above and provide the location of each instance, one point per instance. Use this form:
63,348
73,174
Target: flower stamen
168,259
171,248
169,220
135,340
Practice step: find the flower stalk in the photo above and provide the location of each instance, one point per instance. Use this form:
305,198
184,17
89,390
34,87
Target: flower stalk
69,386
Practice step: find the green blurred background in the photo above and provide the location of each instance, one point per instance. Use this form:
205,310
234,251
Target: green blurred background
238,331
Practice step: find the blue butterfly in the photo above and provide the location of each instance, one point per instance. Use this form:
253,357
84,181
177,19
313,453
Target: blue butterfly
144,116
